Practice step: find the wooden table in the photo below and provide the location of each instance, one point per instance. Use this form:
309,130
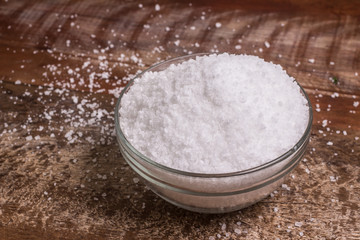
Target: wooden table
62,64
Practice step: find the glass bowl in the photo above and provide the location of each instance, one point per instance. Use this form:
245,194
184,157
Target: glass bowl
210,193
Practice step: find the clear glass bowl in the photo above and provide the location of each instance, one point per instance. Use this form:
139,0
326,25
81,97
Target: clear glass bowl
210,193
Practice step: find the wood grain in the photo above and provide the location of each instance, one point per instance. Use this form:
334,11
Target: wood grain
54,55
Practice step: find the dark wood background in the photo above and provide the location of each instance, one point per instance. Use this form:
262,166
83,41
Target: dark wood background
62,64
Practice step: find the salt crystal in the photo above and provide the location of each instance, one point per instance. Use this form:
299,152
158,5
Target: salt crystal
335,94
157,7
324,123
298,224
356,104
311,60
267,44
218,24
28,138
136,180
329,143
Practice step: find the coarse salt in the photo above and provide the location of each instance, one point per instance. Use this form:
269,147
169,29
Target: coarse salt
216,114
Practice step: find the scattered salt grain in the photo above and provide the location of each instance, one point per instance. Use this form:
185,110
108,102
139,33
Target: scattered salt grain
285,186
333,179
267,44
335,95
28,138
218,24
324,123
329,143
158,107
356,104
157,7
298,224
311,60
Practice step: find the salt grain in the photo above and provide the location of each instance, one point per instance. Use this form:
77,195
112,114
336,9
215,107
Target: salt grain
298,224
311,60
28,138
136,180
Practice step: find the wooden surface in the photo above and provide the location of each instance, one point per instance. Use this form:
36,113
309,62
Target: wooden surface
63,62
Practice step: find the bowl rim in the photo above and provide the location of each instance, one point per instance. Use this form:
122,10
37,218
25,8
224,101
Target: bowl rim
268,164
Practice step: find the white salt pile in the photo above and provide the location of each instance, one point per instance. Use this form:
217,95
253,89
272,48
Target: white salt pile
216,114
